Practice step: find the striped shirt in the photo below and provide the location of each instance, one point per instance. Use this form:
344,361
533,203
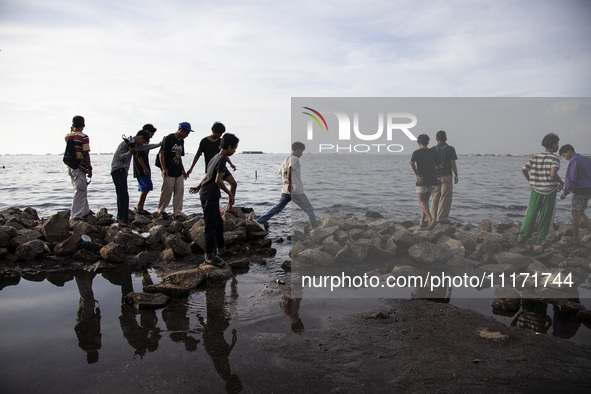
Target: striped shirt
540,170
81,143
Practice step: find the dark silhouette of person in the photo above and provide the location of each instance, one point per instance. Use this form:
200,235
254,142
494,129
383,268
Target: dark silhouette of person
214,342
88,323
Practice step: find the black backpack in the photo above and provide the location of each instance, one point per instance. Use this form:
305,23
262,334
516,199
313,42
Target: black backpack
70,158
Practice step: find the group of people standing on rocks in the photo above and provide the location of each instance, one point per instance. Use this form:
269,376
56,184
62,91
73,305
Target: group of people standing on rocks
217,149
433,169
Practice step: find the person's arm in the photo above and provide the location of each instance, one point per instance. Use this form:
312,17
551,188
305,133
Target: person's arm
195,189
162,162
454,168
231,165
86,157
195,159
525,173
146,147
414,169
145,168
554,175
220,182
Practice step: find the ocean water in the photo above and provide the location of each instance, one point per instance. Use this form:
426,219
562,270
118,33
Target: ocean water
489,187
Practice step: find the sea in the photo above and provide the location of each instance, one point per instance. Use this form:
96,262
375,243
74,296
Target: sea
52,341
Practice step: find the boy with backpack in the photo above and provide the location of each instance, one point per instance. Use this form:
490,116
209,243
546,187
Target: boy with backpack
77,158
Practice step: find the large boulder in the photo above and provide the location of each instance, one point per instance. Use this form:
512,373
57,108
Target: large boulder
113,252
24,237
454,246
516,260
69,246
216,274
189,279
56,228
30,250
406,238
177,244
429,253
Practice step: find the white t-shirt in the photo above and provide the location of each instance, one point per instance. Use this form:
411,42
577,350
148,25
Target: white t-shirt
297,186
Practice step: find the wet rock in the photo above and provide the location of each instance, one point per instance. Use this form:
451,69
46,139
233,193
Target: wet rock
95,233
128,240
506,299
146,301
314,256
216,274
238,263
352,253
584,315
459,261
30,250
177,244
31,213
190,279
4,239
113,252
9,231
406,238
86,256
167,255
439,231
170,290
69,246
454,246
319,233
24,237
516,260
142,220
405,270
485,225
56,228
155,234
428,253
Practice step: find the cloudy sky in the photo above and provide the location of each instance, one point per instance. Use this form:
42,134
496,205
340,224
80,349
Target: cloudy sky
124,63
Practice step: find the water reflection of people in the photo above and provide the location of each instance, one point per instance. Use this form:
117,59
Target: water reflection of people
533,317
88,324
214,342
565,322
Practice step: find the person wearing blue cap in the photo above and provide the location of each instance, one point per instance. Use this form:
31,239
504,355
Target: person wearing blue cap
170,161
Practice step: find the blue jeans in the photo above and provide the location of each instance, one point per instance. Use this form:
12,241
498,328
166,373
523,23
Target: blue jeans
300,199
120,180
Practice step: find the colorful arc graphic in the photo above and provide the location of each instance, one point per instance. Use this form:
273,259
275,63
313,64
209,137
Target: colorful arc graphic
315,118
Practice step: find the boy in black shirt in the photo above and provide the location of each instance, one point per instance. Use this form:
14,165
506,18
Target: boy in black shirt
210,195
425,170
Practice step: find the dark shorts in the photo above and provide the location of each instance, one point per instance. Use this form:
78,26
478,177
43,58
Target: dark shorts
145,183
226,175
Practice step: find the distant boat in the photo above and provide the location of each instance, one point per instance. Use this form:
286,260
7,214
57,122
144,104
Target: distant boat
252,152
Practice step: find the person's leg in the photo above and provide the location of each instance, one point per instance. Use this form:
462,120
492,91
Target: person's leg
436,199
424,204
211,211
142,200
445,199
79,206
165,193
283,201
302,201
546,218
120,181
531,214
233,186
179,192
579,204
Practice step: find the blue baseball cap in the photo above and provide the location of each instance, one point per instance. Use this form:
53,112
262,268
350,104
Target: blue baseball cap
185,126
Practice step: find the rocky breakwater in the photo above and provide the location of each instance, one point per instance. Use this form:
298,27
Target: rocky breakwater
32,246
553,272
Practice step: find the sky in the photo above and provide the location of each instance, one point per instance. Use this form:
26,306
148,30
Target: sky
122,64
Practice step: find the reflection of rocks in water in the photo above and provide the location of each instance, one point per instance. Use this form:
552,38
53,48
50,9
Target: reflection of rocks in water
9,281
88,324
291,308
534,316
565,322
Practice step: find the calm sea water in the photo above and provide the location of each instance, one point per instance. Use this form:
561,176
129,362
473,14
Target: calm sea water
209,341
489,188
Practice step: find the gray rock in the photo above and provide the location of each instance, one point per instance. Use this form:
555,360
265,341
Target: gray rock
128,240
319,233
177,244
56,228
454,246
485,225
429,253
69,246
406,238
95,233
506,299
459,261
146,301
189,279
24,237
113,252
4,239
155,234
8,230
439,231
352,254
30,250
216,274
314,256
405,270
86,256
142,220
516,260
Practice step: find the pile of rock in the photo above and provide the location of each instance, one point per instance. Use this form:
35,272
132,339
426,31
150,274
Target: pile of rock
25,240
346,242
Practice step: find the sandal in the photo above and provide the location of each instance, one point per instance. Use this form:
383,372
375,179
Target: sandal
216,262
142,211
180,218
228,254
